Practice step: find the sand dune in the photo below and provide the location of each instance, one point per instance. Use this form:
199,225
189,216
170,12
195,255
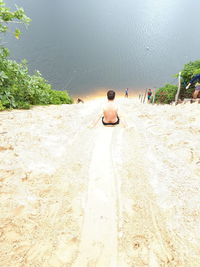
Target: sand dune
101,197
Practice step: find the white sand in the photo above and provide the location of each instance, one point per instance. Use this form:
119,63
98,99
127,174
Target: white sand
102,197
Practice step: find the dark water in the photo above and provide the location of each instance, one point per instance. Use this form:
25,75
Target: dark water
83,46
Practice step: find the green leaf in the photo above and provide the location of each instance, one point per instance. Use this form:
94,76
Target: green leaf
17,33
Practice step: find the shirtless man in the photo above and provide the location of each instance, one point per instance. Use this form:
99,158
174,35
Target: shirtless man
109,116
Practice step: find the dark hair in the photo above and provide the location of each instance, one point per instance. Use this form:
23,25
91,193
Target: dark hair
111,94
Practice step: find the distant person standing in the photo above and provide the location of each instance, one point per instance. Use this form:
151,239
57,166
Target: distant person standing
126,92
149,94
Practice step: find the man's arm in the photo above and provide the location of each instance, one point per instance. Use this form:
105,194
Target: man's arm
188,86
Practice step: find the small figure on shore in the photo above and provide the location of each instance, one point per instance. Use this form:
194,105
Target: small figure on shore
110,114
149,95
126,92
197,85
79,100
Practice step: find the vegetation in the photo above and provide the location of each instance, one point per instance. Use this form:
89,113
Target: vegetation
166,94
18,89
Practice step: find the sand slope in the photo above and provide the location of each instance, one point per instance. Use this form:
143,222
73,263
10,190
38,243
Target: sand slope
101,197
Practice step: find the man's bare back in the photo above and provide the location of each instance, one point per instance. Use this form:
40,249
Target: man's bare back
110,114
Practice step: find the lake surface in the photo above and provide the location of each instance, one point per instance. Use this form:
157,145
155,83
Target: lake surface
88,46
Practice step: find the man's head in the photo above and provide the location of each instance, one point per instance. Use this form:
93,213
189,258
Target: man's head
111,95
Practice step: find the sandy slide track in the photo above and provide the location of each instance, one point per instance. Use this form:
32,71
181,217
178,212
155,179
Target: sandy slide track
98,245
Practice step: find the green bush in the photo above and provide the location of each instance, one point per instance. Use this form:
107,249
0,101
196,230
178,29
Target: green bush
166,94
18,89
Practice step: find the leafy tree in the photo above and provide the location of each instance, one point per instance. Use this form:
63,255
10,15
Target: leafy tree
190,69
6,16
18,89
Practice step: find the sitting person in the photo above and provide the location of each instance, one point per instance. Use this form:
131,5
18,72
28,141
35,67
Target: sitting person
109,116
79,100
